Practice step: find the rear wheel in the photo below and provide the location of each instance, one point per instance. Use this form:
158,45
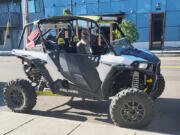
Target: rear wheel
159,87
20,96
131,108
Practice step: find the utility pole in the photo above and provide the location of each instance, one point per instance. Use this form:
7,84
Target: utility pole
71,8
26,17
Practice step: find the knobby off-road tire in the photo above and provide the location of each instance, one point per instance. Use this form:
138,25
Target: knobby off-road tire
20,96
131,108
159,88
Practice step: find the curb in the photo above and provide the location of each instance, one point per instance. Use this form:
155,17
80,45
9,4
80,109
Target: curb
6,53
166,52
167,55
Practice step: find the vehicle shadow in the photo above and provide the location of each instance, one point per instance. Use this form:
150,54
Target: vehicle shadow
93,108
79,110
2,84
166,119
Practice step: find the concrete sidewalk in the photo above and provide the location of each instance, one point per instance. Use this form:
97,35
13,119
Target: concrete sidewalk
24,124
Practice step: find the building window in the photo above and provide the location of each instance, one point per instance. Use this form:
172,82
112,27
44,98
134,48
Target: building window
10,7
34,6
15,7
3,8
1,37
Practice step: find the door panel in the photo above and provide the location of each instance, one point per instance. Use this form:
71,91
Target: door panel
81,70
63,67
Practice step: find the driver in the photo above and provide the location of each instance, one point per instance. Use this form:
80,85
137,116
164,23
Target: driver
83,46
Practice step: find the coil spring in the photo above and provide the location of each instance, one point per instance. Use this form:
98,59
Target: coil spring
135,80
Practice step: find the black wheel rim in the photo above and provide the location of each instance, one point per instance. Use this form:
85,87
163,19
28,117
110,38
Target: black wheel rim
132,112
17,98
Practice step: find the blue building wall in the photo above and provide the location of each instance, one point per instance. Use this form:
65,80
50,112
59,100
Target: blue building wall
10,11
137,11
37,15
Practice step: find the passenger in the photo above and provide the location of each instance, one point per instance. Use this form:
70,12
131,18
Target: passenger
83,46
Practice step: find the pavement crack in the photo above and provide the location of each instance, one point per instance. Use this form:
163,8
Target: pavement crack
74,129
19,126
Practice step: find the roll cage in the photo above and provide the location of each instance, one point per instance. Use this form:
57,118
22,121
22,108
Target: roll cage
94,19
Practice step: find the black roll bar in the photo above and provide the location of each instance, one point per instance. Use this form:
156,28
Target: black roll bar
107,42
22,34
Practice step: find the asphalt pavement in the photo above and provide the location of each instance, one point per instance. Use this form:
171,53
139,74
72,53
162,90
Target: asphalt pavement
65,115
1,94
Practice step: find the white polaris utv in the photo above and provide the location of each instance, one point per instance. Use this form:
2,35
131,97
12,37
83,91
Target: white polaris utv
116,70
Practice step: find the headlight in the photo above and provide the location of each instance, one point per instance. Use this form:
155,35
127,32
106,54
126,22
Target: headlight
143,65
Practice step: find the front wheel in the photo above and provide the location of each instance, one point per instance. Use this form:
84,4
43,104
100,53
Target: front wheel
159,87
131,108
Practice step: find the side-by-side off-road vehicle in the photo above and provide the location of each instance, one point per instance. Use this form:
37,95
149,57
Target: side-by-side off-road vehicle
130,77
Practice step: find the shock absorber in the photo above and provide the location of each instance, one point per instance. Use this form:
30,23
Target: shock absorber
135,80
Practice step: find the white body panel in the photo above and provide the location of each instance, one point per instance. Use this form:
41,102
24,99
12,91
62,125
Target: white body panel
120,60
105,63
103,70
51,67
109,60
